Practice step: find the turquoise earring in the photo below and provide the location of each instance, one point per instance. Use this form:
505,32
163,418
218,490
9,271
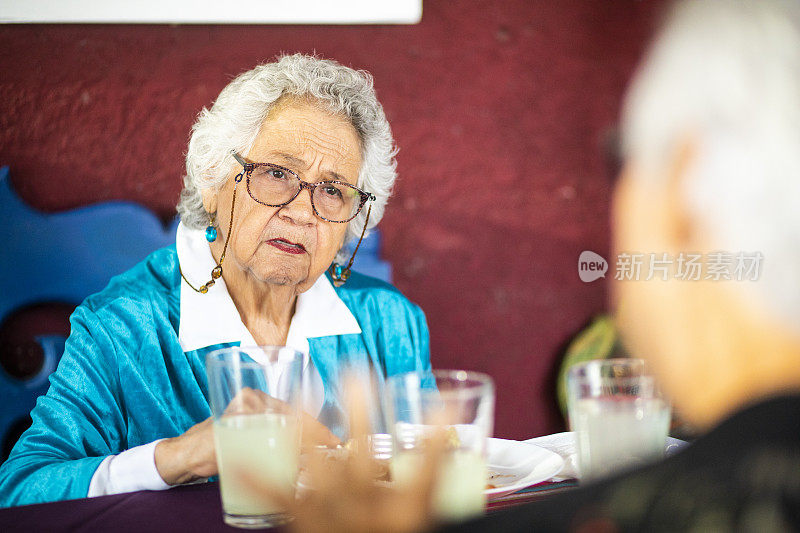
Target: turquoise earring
211,229
340,274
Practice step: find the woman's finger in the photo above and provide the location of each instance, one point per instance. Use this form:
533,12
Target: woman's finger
361,462
317,434
356,399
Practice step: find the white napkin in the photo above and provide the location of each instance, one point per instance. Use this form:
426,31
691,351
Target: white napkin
564,444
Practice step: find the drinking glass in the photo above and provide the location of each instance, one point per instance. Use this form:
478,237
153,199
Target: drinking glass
463,403
618,414
256,401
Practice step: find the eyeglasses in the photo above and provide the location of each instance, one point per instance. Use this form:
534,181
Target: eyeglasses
276,186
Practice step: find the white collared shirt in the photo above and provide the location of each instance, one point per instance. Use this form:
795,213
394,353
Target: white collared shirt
212,318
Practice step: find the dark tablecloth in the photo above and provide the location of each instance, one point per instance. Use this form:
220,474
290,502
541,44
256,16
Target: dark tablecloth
191,509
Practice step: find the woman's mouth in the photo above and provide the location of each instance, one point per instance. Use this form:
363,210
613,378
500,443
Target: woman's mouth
287,246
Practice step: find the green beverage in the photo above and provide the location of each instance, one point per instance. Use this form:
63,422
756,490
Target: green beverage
261,445
461,481
255,394
618,432
618,414
458,406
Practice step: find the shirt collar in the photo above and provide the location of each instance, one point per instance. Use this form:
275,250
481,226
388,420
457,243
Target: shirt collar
212,318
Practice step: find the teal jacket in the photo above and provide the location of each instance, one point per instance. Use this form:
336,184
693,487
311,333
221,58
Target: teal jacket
124,380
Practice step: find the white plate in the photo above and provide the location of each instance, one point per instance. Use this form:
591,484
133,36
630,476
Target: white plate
523,464
529,464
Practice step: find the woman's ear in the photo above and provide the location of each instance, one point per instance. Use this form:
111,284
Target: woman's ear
679,225
650,212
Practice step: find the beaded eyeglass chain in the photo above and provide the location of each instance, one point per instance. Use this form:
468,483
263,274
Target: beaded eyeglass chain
216,272
340,275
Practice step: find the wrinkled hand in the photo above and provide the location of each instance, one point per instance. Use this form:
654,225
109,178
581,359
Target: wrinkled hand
192,456
345,497
188,457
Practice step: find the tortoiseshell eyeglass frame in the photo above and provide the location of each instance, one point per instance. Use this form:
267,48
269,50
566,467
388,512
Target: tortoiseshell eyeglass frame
248,170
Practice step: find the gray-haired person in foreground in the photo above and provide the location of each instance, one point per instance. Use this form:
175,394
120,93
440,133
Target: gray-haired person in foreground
711,133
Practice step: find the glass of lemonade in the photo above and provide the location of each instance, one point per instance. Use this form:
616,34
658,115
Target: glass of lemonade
619,416
463,403
256,399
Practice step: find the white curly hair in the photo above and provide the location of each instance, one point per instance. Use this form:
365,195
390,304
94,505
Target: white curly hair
728,72
236,117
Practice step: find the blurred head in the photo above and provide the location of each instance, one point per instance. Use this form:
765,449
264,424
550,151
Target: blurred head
711,139
241,115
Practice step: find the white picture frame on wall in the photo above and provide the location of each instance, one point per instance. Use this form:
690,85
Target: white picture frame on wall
212,12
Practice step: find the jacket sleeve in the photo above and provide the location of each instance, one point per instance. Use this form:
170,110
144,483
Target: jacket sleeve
76,424
420,340
404,338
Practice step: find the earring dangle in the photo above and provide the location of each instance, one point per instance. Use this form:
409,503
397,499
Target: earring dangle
211,235
211,229
340,274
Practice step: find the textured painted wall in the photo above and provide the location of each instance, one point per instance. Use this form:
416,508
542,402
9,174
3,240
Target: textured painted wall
500,109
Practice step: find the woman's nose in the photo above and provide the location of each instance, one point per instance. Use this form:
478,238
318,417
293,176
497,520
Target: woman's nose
300,210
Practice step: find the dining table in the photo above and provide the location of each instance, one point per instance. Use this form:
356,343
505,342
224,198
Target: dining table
189,508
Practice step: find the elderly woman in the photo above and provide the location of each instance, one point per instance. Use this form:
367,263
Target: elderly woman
293,160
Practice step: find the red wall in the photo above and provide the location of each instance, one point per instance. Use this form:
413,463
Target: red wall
500,110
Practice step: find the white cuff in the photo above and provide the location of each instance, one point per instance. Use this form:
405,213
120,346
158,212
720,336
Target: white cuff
131,470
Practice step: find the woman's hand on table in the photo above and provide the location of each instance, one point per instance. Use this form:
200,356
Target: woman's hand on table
188,457
192,456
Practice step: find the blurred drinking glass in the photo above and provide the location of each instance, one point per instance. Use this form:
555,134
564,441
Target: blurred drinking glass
618,414
458,402
256,400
